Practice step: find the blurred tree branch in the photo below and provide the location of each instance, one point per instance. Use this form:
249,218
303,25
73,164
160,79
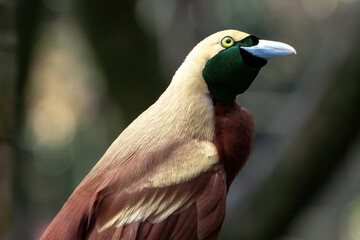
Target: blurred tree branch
126,55
27,27
313,158
7,67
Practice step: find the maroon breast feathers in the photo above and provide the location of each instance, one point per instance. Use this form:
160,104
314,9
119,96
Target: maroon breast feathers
234,137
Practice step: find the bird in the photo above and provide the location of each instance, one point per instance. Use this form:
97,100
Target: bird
167,175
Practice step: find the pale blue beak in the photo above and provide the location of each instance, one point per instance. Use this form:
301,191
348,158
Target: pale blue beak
270,49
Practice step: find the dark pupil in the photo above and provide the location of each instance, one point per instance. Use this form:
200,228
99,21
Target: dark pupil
228,40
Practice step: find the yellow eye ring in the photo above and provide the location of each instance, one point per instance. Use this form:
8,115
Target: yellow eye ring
227,42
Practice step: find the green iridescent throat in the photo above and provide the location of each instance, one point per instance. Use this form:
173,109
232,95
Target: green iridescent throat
231,71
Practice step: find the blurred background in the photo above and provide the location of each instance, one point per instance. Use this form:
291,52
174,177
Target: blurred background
75,73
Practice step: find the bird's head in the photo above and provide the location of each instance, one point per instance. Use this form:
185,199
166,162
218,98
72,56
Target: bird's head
229,61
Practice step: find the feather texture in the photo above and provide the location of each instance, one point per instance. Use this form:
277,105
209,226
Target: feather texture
234,137
177,125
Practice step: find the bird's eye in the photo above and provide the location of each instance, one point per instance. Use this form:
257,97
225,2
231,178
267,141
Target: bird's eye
227,42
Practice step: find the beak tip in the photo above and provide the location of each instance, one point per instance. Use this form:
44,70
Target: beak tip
293,51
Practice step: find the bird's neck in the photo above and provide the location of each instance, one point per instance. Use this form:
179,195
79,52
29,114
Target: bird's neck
178,116
188,78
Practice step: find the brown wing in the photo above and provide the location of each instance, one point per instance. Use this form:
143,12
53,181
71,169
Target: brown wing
174,194
169,202
194,210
